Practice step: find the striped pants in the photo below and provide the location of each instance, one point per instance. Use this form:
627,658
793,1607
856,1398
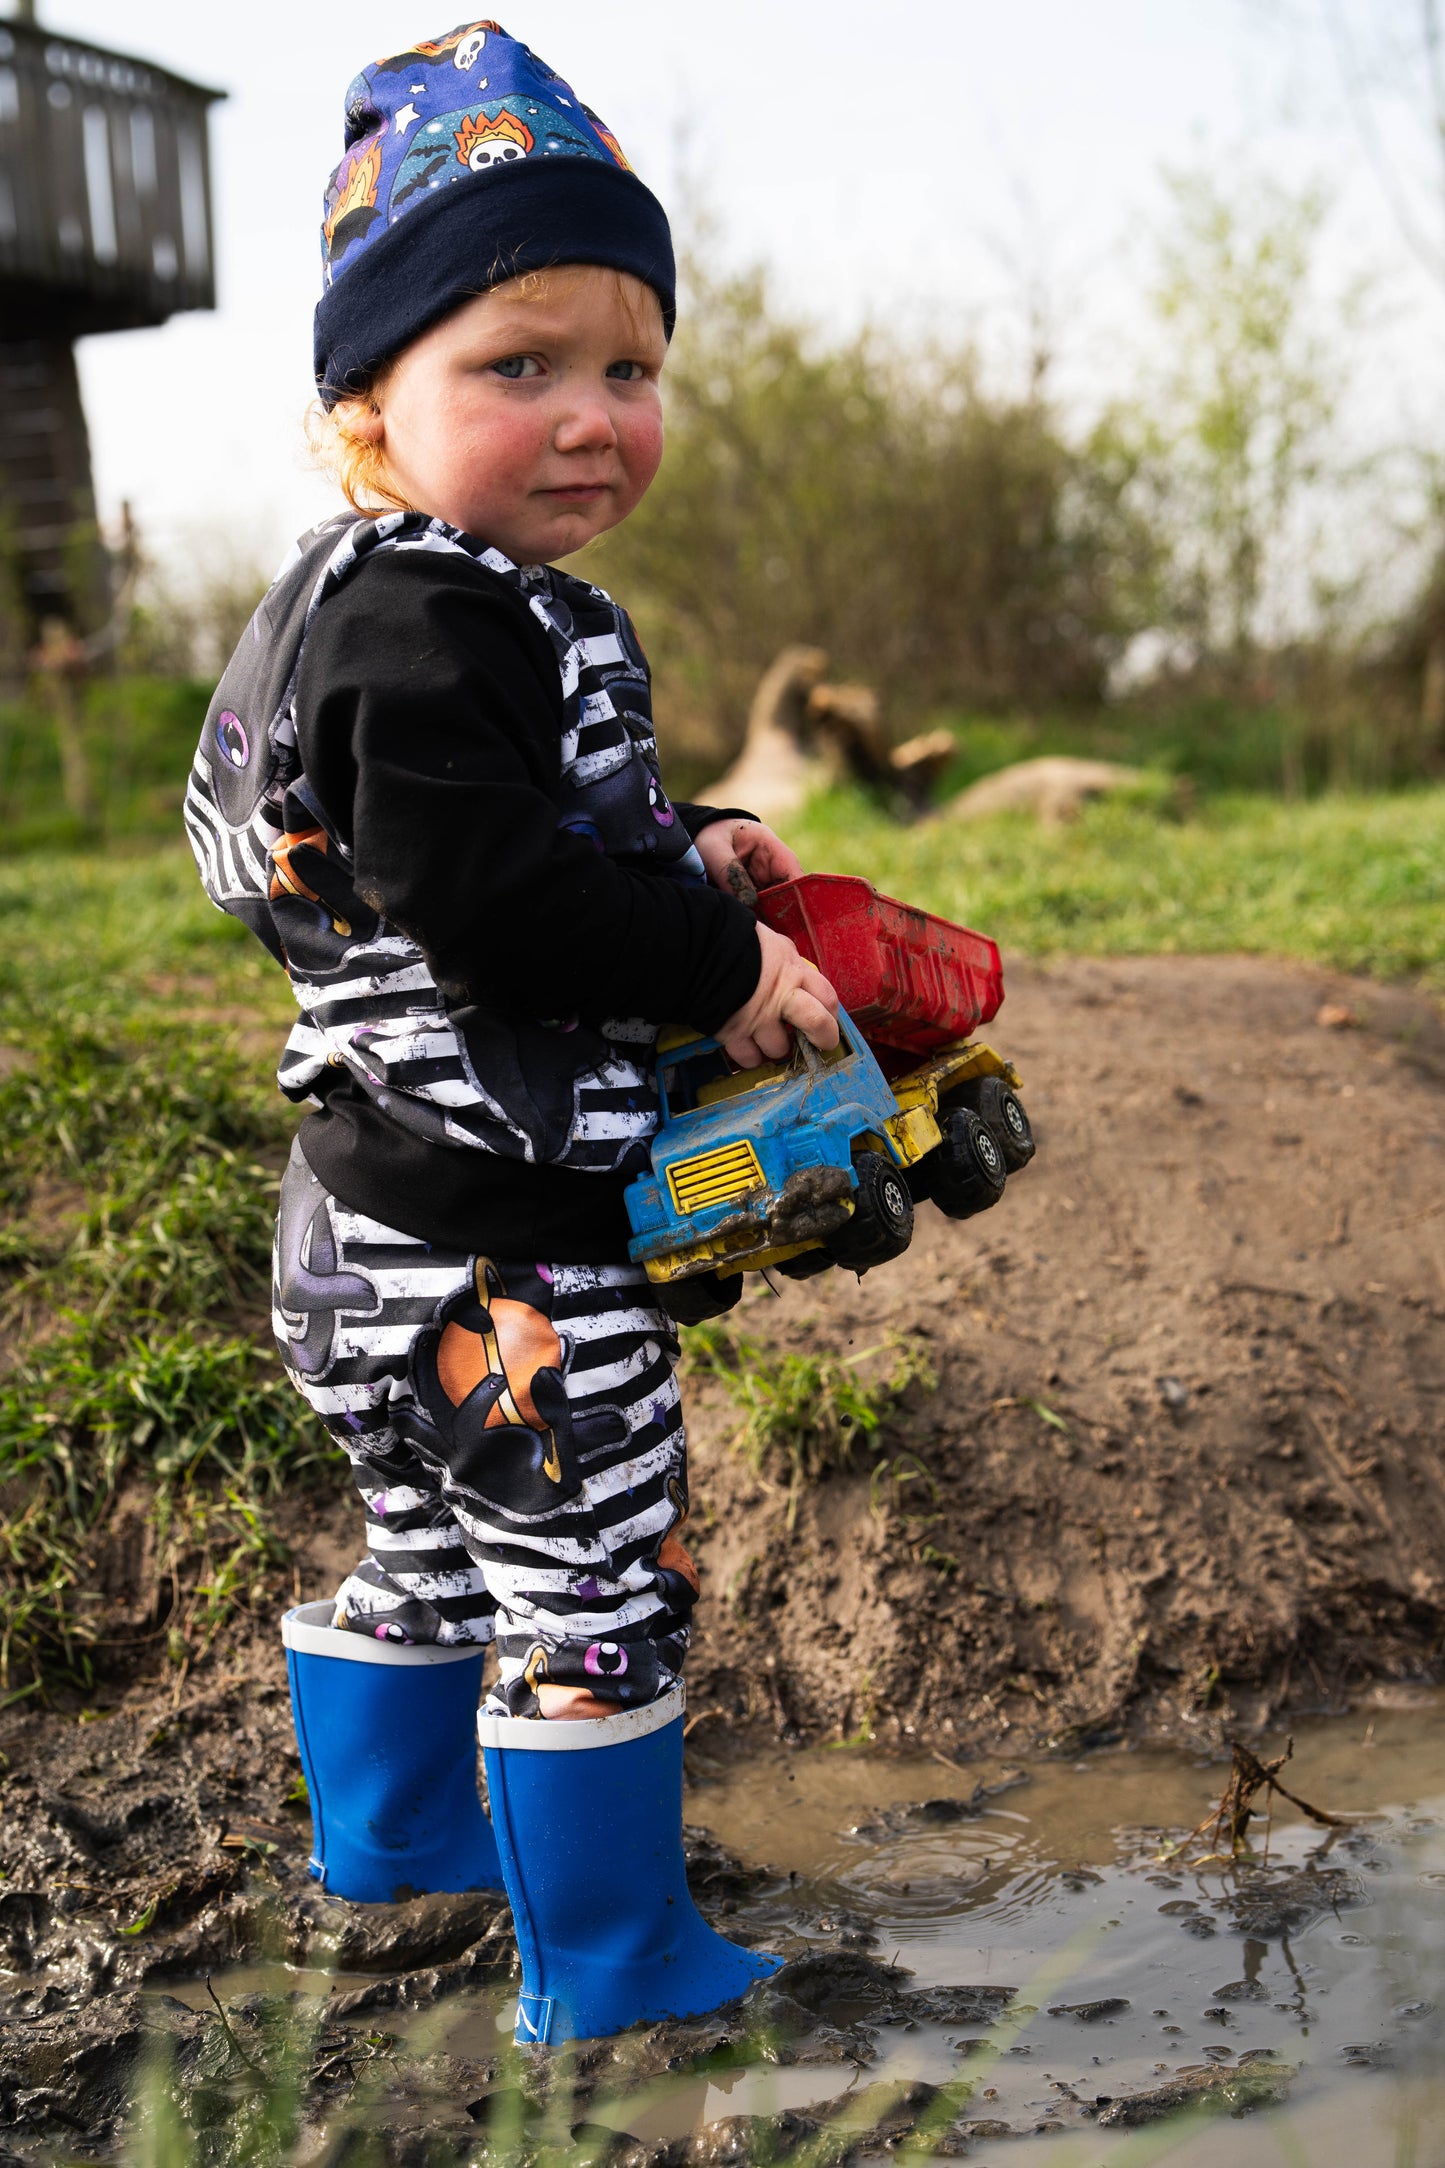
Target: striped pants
516,1436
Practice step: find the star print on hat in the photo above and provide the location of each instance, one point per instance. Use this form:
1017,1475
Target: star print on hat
467,160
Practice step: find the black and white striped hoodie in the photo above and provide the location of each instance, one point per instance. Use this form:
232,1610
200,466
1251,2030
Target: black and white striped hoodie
428,781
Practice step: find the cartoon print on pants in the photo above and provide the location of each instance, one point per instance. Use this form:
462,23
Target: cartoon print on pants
675,1575
490,1376
313,1293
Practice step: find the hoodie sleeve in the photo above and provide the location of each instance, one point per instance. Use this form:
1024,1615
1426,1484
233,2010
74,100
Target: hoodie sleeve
429,720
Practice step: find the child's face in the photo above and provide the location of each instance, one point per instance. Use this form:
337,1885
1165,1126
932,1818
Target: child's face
531,420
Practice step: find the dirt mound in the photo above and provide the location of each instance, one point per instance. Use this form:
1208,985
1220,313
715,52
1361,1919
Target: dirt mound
1184,1462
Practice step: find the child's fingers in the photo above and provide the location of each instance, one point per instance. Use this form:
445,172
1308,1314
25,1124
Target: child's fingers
806,1013
741,1047
774,1038
740,883
767,857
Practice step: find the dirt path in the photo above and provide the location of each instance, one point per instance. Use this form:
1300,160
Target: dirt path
1224,1280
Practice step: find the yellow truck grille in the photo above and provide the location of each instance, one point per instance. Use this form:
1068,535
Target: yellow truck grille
713,1177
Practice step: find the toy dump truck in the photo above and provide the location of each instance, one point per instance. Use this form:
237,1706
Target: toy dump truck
817,1160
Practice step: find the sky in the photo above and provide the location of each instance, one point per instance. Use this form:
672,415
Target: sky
928,165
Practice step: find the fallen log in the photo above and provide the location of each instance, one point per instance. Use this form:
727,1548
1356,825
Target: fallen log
1054,787
804,736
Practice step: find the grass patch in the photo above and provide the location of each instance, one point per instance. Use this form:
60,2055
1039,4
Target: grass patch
142,1159
1342,741
805,1417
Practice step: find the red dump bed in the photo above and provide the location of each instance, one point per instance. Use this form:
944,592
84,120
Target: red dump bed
911,982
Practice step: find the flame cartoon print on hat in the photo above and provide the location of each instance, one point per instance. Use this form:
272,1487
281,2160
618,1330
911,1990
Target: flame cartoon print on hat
610,140
351,208
482,142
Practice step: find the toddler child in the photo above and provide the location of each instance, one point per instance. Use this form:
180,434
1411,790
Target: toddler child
429,783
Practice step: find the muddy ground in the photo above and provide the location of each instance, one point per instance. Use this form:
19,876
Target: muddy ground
1185,1465
1181,1473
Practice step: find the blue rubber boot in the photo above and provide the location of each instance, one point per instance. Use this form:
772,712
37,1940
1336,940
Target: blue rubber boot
588,1816
388,1747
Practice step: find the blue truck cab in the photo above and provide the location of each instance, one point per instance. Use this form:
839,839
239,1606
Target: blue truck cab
818,1152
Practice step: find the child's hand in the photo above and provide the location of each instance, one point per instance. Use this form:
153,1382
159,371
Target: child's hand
743,856
791,995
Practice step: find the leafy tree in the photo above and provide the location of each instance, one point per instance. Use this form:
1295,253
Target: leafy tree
1241,411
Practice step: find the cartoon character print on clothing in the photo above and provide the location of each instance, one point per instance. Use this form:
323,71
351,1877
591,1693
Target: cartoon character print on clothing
464,46
299,858
351,206
629,1670
490,1375
375,1602
474,139
593,1590
406,134
484,141
675,1575
232,742
554,1091
313,1293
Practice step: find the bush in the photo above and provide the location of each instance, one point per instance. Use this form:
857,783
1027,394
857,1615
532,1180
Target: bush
940,540
138,734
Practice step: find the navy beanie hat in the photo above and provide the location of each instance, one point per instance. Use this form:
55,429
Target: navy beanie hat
467,161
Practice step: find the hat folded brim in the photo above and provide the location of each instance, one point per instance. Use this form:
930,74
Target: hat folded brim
474,234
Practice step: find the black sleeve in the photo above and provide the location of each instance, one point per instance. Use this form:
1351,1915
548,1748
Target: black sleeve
695,818
429,720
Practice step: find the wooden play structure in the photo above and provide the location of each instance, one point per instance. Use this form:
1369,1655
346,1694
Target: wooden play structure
105,225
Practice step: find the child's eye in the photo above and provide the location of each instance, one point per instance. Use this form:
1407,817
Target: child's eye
627,372
515,366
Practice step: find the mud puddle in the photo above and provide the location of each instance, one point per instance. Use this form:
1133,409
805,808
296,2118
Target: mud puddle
1329,1963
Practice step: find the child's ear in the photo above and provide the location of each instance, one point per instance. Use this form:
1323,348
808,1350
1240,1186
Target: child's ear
365,423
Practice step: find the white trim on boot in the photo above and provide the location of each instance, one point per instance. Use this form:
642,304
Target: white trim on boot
559,1734
308,1630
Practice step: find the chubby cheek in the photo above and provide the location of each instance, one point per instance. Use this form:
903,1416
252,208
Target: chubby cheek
496,457
639,443
457,463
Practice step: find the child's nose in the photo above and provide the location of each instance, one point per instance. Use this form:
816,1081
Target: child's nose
586,426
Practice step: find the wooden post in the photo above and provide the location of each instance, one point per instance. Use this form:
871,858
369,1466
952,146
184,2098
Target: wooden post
45,480
61,667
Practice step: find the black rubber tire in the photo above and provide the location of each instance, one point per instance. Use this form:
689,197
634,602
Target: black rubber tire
1002,1110
702,1295
919,1176
805,1265
882,1222
968,1169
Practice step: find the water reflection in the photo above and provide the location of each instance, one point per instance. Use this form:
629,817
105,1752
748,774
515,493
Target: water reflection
1157,1969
